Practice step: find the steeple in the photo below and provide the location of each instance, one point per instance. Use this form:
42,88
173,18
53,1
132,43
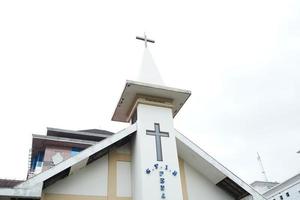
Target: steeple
151,106
148,71
149,89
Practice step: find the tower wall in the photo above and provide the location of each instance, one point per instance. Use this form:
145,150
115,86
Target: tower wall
155,179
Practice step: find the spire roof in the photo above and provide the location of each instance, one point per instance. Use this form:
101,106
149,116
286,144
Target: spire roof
148,72
149,89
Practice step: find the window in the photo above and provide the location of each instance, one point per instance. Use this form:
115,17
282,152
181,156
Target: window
75,151
40,158
287,194
37,160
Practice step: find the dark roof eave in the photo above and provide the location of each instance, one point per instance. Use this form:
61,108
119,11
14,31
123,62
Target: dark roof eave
77,134
9,183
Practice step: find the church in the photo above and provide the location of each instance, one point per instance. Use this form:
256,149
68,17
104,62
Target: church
148,160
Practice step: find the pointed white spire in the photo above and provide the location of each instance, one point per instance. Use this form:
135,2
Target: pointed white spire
148,71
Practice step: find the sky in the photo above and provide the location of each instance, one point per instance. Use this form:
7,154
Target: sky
64,63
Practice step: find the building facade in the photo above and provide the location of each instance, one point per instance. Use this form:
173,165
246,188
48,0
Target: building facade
148,160
263,186
289,190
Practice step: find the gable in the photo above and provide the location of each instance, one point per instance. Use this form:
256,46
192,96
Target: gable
216,173
90,180
106,177
198,186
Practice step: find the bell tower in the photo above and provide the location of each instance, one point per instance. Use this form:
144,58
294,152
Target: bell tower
152,107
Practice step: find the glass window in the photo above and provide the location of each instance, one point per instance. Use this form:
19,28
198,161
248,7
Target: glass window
75,151
40,158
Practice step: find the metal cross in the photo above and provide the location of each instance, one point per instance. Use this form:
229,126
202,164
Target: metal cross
145,39
158,134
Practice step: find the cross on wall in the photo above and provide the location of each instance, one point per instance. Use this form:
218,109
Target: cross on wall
158,134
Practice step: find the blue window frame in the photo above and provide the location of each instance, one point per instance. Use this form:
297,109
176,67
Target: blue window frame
75,151
37,160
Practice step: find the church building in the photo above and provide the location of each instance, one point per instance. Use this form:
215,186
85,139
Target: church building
148,160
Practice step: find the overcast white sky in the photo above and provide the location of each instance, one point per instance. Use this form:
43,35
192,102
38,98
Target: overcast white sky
64,64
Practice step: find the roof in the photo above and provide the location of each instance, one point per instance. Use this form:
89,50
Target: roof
9,183
175,97
213,170
148,72
63,141
286,184
90,134
98,131
264,183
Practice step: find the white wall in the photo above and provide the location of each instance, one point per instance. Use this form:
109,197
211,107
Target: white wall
148,186
200,188
91,180
292,190
261,188
123,179
125,149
